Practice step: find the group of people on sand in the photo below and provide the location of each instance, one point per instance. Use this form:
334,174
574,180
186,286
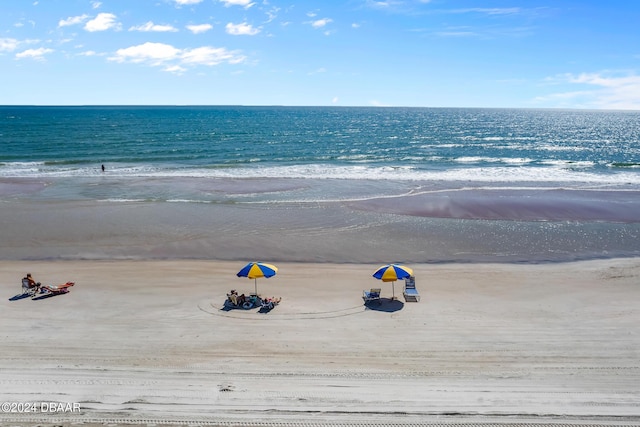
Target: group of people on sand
30,286
240,300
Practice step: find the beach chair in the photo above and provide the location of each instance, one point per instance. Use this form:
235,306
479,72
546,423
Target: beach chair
410,292
29,288
372,295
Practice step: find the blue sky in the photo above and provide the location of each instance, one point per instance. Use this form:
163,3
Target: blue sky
428,53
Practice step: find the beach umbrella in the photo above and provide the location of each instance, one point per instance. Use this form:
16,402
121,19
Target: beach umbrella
391,273
255,270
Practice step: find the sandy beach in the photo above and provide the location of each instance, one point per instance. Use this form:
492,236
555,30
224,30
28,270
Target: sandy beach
149,342
522,227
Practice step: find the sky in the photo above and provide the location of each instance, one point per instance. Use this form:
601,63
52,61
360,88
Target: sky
401,53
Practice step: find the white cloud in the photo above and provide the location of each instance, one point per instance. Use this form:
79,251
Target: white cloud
72,20
21,24
490,11
242,29
382,4
102,22
602,91
198,29
244,3
151,27
96,4
175,69
321,22
173,59
208,56
186,2
37,54
598,80
8,45
155,53
272,14
614,92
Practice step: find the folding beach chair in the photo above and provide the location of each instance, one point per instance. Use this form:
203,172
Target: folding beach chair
410,292
29,288
372,295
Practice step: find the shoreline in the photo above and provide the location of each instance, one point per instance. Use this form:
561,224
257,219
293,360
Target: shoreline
148,342
243,261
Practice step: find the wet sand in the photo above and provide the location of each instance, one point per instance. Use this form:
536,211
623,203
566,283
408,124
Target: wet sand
149,342
455,226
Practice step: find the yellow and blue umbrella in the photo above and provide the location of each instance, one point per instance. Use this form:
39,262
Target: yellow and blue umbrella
391,273
255,270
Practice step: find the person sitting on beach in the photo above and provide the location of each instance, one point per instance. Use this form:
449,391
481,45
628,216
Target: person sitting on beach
269,303
29,283
30,280
233,296
242,299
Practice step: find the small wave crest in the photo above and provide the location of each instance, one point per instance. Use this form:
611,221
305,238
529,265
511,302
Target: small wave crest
624,165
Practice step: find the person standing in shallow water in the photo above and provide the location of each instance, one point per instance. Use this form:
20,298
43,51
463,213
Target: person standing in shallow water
102,168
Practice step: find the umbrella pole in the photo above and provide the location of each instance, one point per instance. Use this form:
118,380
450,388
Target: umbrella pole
255,283
393,290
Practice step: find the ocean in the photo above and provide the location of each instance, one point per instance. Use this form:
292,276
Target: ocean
338,184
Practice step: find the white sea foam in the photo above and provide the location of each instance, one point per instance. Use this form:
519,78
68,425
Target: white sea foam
568,164
187,201
514,170
507,160
120,200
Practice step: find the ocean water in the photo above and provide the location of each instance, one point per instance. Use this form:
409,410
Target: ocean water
452,184
592,147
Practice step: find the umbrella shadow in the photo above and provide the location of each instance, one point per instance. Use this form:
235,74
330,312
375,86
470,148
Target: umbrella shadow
386,305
